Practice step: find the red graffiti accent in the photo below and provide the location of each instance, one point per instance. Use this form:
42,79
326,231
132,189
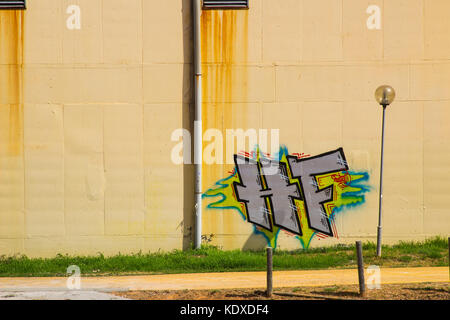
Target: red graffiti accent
242,208
330,207
335,230
301,155
245,154
254,155
250,155
342,180
289,233
333,224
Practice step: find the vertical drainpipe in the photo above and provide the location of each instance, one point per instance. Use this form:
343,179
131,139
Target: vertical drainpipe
198,128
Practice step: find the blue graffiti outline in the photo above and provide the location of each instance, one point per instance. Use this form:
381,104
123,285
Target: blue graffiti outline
354,194
221,194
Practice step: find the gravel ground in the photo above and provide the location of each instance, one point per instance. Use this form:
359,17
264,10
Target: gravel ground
416,291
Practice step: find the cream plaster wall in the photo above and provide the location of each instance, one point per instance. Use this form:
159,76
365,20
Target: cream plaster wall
86,115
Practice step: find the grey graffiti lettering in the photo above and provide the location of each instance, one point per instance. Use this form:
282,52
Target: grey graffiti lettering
306,170
251,192
277,191
265,189
282,199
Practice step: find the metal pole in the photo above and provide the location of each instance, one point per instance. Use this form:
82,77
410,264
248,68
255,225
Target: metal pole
198,127
362,285
449,257
269,272
379,231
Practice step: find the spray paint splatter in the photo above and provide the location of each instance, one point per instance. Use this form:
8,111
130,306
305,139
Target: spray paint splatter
343,189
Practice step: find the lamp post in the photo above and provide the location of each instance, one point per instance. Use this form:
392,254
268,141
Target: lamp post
384,95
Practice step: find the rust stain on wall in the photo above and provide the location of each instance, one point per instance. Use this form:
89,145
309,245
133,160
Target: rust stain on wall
11,84
11,125
224,60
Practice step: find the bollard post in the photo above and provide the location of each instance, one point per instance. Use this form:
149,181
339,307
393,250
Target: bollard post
362,284
269,272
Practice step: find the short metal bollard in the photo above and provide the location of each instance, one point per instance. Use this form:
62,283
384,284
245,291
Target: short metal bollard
269,272
362,284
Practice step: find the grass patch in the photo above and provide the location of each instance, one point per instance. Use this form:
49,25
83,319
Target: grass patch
405,258
431,252
331,289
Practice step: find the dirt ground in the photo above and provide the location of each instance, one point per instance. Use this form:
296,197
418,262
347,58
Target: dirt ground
416,291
